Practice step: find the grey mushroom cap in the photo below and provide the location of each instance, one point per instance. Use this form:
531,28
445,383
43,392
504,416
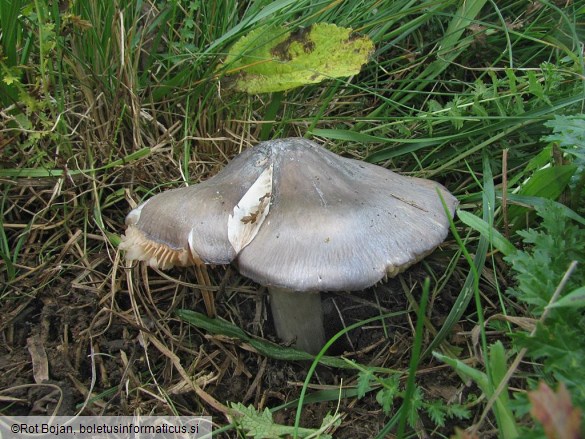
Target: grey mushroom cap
188,225
328,223
341,224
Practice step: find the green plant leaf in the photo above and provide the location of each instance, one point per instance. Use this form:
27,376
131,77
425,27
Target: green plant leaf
412,395
436,411
271,59
458,411
496,238
471,282
547,254
546,183
223,327
548,251
385,397
537,202
569,133
363,383
498,367
480,378
575,299
261,425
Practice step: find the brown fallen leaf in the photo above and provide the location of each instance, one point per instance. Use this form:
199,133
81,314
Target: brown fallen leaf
38,355
555,411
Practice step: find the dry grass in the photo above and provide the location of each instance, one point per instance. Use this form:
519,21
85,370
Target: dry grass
106,333
95,126
109,334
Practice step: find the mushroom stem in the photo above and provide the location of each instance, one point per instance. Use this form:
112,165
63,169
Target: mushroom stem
298,317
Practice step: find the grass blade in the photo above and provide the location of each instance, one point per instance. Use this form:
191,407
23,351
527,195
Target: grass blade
494,237
414,358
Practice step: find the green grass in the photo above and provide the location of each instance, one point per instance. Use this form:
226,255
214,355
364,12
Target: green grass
103,104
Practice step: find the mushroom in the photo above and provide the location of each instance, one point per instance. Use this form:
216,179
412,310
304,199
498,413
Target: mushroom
298,219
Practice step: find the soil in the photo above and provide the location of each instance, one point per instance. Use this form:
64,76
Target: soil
92,342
